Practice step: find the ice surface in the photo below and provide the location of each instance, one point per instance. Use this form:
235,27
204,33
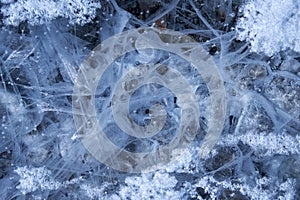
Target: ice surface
41,151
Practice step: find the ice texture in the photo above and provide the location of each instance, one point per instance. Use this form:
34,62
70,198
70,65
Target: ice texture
41,151
148,71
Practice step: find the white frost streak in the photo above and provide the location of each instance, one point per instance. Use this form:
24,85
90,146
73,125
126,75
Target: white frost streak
32,179
271,143
270,26
259,192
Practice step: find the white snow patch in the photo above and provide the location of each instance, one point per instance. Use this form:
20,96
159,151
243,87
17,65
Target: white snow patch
271,25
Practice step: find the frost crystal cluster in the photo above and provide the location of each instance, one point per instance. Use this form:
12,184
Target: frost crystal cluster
49,74
270,26
37,12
